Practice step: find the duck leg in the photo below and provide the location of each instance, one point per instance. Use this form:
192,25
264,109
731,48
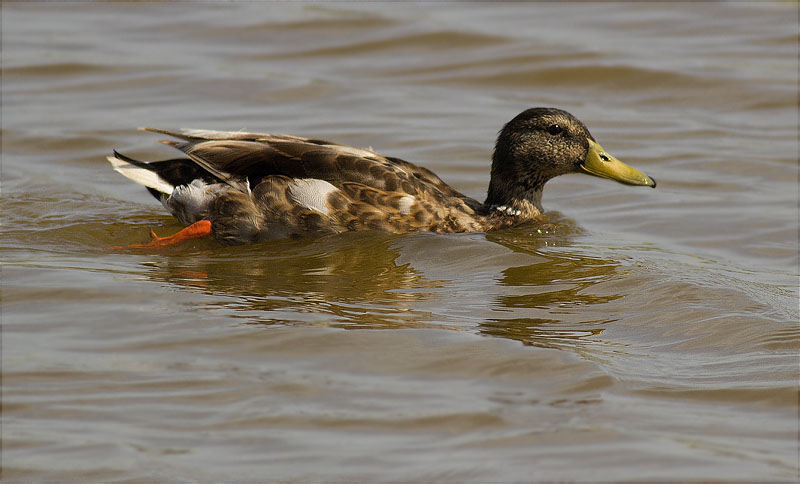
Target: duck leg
199,229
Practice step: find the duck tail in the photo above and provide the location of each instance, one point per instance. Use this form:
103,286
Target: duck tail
140,172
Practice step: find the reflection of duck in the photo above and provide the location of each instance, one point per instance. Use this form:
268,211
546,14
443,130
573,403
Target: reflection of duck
350,280
244,187
506,284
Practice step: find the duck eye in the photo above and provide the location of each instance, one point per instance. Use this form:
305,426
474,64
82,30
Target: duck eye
554,129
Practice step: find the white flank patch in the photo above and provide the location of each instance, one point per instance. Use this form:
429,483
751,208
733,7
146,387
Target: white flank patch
406,203
311,193
140,175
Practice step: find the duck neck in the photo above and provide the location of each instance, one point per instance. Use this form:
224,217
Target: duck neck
513,192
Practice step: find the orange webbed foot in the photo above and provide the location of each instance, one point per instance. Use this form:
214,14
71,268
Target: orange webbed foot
197,230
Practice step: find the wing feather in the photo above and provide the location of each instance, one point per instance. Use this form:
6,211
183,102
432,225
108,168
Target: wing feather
235,156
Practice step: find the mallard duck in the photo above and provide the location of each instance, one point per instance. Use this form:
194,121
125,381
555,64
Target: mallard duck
245,187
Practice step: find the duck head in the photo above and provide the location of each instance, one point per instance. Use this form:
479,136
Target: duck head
539,144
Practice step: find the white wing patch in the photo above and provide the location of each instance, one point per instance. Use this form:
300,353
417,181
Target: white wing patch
406,203
140,175
311,193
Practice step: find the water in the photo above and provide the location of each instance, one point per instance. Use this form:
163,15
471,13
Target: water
640,334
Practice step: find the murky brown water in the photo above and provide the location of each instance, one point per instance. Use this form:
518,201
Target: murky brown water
644,334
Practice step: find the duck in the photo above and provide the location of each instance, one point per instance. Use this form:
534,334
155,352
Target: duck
240,187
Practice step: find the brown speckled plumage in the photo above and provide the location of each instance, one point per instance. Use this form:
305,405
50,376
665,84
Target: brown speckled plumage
255,186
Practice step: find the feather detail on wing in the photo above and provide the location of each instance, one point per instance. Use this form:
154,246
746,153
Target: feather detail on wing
233,156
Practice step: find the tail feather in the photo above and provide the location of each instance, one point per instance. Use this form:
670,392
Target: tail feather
140,164
139,172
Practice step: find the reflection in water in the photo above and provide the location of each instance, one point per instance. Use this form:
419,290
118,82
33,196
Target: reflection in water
535,332
352,277
376,280
556,287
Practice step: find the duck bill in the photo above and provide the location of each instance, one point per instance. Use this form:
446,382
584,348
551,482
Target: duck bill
599,163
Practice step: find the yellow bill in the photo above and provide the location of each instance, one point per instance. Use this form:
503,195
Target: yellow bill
599,163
